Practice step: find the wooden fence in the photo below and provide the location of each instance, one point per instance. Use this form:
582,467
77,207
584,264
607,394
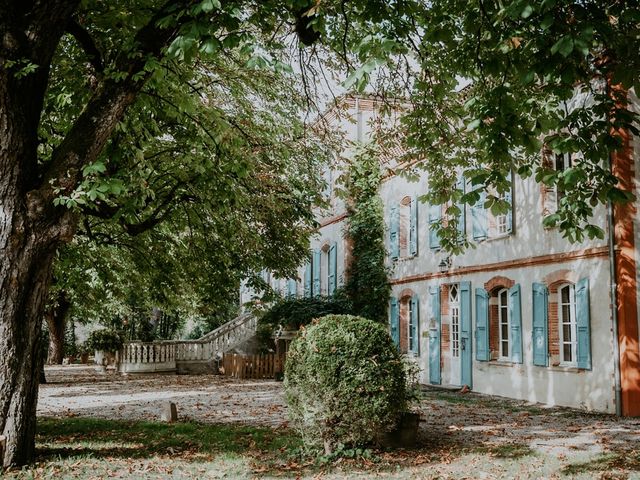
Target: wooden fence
252,366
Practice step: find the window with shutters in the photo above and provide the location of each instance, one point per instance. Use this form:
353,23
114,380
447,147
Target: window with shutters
567,321
500,342
409,322
485,224
567,324
404,229
405,226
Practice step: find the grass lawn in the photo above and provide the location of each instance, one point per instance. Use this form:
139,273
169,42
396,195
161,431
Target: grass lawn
91,430
95,449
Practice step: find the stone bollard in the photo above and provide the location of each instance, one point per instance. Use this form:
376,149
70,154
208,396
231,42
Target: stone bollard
169,412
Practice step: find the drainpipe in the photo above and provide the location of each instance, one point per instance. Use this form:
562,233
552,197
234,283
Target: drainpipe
614,310
613,288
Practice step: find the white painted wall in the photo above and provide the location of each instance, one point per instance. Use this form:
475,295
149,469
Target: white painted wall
592,390
552,385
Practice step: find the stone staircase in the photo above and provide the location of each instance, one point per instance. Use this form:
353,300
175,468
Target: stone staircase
187,356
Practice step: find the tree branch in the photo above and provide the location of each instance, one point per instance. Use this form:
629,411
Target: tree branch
93,128
85,41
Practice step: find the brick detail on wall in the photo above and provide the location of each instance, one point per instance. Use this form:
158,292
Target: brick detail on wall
498,282
404,326
553,331
444,301
560,276
445,338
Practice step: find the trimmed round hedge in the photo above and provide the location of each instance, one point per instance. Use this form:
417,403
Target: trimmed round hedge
344,382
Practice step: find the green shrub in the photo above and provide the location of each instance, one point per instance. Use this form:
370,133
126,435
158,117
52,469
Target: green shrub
292,313
105,340
344,382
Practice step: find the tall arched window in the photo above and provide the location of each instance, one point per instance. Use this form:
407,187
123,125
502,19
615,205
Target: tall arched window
403,229
567,323
405,322
504,325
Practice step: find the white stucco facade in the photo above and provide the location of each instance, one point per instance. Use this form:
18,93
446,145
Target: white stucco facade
525,255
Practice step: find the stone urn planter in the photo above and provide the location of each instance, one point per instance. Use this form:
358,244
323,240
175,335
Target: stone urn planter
105,343
103,359
84,358
405,433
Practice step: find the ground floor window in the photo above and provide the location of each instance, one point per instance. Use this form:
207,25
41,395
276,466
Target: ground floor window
567,323
504,326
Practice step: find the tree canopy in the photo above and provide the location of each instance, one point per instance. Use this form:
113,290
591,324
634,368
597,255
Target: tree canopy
547,77
180,123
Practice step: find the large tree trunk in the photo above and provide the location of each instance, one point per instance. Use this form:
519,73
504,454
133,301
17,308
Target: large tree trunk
31,227
56,318
24,279
30,230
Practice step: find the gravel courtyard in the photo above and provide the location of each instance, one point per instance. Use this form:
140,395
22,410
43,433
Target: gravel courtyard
461,436
80,391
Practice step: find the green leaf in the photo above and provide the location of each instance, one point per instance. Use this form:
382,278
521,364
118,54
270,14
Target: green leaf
564,46
210,5
474,124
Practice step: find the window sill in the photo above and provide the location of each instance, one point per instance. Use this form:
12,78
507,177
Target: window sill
565,368
502,363
502,236
403,259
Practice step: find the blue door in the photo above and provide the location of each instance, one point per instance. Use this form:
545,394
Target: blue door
465,334
434,336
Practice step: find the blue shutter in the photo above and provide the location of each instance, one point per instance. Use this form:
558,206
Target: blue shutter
413,228
394,233
307,280
315,289
434,337
479,218
482,325
540,325
435,212
292,288
394,321
509,199
332,279
462,217
414,326
515,318
583,326
466,356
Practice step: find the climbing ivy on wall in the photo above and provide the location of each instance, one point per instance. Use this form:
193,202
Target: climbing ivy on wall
367,283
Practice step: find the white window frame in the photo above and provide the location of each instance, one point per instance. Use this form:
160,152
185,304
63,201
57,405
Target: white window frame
567,162
499,230
454,309
503,310
404,227
409,317
573,341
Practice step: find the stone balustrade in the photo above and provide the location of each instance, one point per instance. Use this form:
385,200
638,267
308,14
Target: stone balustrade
186,356
144,357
